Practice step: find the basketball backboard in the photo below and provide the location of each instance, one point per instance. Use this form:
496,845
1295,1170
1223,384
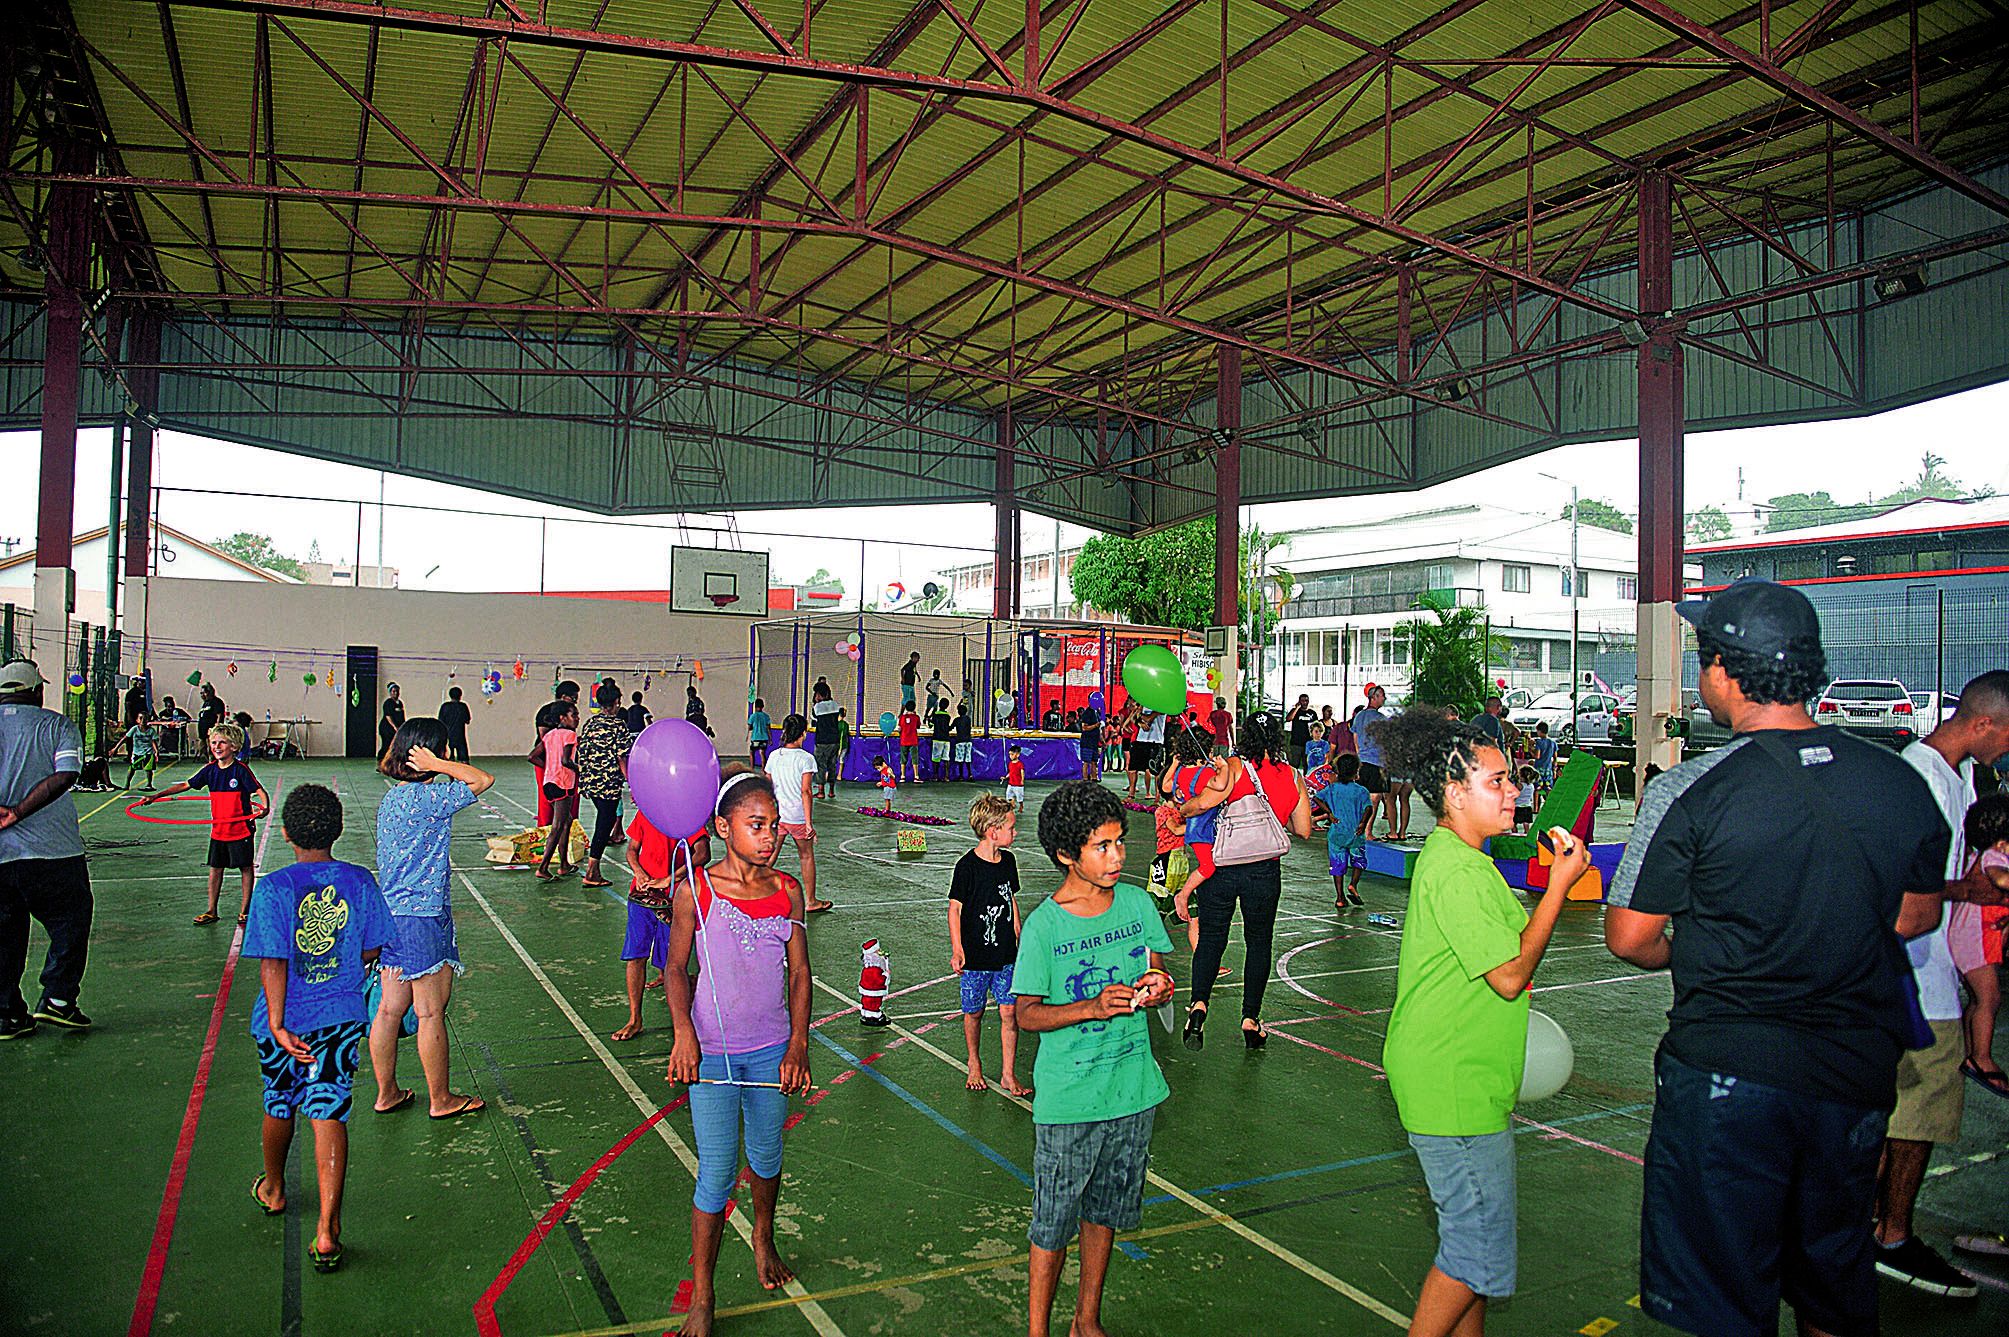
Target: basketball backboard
718,580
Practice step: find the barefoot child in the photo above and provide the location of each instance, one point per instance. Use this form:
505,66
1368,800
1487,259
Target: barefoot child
233,792
648,938
1090,956
313,925
983,935
742,1033
792,770
1015,777
561,789
1974,934
1348,803
888,786
1457,1038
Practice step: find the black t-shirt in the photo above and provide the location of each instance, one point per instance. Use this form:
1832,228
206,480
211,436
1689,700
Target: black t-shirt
908,673
211,716
827,728
455,716
637,716
962,728
1787,968
1301,728
943,726
985,892
394,712
1051,724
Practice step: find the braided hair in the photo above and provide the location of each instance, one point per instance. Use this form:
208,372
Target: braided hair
1431,751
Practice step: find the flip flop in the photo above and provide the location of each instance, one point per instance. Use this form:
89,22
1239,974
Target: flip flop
820,909
403,1102
325,1262
257,1184
594,882
468,1105
206,917
1996,1083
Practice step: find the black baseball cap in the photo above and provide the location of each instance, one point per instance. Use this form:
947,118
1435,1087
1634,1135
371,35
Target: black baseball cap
1759,617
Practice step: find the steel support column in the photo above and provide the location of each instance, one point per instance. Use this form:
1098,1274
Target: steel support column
1660,483
1004,500
143,376
68,252
1228,514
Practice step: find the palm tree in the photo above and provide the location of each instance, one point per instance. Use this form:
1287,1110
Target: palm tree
1449,653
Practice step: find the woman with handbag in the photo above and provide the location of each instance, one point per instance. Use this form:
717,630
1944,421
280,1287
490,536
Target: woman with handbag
1262,799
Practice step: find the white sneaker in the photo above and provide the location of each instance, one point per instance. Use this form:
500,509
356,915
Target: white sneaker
1996,1246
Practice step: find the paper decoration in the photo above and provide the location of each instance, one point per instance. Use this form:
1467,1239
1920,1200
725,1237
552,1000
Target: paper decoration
194,678
517,671
308,678
698,669
231,668
331,677
355,696
76,684
272,671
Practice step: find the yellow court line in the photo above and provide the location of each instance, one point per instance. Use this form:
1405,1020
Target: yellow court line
101,807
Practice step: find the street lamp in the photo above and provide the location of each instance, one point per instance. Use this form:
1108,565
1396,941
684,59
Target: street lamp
1576,579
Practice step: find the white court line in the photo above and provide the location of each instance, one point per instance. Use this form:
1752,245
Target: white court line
810,1310
1368,970
1220,1218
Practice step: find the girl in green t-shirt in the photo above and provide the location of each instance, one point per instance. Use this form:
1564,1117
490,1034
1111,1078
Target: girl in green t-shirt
1458,1035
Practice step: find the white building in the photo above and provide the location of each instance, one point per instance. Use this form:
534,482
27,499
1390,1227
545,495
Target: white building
970,587
1357,583
348,573
173,554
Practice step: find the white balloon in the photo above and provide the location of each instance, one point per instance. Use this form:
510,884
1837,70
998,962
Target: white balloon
1550,1058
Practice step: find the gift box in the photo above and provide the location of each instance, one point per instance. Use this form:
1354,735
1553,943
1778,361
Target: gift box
910,844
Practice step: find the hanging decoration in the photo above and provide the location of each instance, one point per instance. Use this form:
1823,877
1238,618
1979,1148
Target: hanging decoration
308,678
331,677
355,695
698,669
272,671
194,678
646,680
517,671
231,668
76,684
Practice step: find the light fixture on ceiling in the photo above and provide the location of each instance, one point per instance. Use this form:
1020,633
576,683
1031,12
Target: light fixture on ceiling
1902,281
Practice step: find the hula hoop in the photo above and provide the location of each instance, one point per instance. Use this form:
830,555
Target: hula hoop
254,815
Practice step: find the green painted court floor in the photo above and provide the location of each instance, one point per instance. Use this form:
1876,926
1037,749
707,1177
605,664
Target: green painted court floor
1284,1197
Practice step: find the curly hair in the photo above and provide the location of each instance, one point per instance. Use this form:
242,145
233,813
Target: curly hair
1190,745
418,731
1346,769
1431,751
988,811
1072,814
312,817
1260,737
1793,679
1987,822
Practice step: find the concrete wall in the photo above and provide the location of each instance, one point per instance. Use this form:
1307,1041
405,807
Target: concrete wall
199,626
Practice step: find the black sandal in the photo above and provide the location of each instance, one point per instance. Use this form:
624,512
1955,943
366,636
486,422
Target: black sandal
1255,1037
1196,1022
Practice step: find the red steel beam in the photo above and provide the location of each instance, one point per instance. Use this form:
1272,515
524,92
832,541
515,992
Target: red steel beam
1660,401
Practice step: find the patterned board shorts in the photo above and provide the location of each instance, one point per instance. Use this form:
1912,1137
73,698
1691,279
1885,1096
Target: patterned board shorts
320,1091
978,985
1091,1172
1345,860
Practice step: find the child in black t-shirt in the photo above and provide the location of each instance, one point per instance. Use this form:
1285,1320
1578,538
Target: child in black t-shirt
983,934
1091,743
943,741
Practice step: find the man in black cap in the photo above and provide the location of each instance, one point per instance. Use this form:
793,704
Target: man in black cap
1791,864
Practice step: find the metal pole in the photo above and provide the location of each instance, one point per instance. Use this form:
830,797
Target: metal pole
543,531
1576,677
112,519
1055,575
861,593
989,698
1939,702
859,722
380,529
356,567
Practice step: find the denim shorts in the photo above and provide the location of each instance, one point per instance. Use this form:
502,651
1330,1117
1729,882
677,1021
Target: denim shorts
424,944
1091,1172
979,985
321,1091
1755,1194
1471,1183
720,1115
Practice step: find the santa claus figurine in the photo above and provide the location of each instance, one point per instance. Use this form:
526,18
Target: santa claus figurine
872,977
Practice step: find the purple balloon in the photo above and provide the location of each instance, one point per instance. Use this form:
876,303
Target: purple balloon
674,772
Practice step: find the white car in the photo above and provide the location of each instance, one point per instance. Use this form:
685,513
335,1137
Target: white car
1877,708
1931,709
1595,711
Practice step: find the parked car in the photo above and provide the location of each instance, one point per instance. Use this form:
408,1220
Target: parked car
1695,726
1877,708
1595,711
1929,712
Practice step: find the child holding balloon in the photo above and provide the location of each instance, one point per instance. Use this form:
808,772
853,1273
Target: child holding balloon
1457,1038
742,1031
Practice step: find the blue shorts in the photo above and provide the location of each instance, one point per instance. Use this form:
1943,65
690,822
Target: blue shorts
321,1091
648,937
1346,858
1753,1195
1471,1183
992,984
425,944
1091,1172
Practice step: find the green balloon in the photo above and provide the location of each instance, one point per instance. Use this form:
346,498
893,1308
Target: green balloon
1152,676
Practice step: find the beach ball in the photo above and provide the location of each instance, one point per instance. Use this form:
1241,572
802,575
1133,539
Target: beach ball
1550,1058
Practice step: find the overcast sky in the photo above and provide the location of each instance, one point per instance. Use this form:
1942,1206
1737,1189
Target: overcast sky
1852,459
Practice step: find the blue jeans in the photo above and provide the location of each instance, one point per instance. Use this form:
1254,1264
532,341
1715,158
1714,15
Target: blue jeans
719,1112
1471,1181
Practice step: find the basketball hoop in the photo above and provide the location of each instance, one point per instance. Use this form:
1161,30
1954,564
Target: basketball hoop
721,600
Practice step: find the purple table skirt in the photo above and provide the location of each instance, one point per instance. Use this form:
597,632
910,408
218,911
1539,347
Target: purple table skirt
1045,758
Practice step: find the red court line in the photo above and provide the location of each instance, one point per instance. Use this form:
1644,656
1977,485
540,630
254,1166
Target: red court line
484,1307
148,1299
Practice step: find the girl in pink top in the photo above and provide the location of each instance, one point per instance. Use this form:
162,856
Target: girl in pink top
561,787
742,1028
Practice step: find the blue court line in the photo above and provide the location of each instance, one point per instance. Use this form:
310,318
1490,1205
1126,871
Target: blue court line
990,1154
1129,1250
1381,1156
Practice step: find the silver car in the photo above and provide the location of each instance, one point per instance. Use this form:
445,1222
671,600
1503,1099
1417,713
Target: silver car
1595,711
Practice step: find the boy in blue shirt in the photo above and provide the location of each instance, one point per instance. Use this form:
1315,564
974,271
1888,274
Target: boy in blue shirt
312,926
1089,957
759,729
1545,760
1349,803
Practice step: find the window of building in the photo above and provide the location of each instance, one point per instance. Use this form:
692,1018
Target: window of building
1800,568
1939,559
1524,653
1514,578
1582,583
1394,649
1628,588
1439,576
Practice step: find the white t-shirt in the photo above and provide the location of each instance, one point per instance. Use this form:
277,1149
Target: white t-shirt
1931,958
1152,731
786,767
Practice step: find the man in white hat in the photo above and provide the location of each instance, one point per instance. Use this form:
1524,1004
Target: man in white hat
42,870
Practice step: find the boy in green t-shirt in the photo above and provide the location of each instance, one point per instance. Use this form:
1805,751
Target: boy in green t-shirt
1089,958
1457,1037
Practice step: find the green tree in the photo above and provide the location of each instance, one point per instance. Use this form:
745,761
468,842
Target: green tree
1709,525
1602,515
257,549
1165,578
1802,510
1932,485
1448,655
